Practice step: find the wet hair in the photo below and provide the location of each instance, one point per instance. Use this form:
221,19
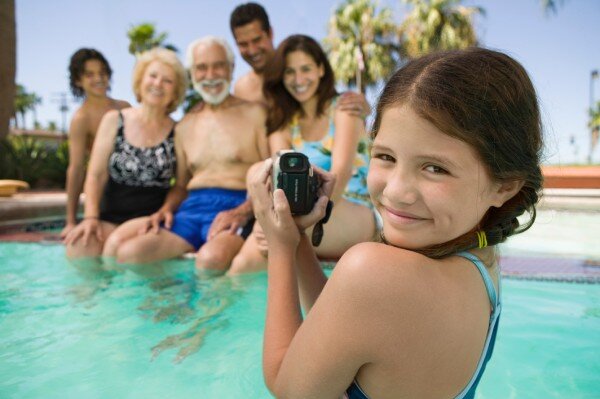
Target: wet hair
247,13
283,106
77,68
168,58
485,99
207,41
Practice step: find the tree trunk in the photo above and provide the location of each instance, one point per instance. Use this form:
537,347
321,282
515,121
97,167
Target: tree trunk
8,63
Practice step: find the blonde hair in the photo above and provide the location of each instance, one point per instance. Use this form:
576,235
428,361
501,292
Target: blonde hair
168,58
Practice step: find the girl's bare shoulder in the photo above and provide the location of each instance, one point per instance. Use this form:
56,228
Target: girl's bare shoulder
374,265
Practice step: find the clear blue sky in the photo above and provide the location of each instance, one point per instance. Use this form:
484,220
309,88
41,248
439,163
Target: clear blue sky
559,51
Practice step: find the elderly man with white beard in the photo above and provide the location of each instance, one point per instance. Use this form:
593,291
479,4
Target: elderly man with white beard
207,209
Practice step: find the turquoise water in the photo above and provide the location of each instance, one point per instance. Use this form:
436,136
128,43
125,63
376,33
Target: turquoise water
164,332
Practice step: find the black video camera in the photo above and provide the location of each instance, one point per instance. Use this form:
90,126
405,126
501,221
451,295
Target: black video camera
294,175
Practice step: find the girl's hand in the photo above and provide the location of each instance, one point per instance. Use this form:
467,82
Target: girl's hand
272,212
261,240
327,183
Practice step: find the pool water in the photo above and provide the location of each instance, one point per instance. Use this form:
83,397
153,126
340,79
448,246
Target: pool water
162,331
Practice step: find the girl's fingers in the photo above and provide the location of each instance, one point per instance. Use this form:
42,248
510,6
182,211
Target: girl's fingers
259,192
280,201
327,180
263,173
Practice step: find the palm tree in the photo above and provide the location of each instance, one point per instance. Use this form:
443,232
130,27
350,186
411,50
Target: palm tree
35,100
551,6
23,103
360,43
8,63
20,105
144,37
435,25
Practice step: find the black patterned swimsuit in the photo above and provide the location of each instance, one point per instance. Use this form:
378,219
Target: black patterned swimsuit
138,178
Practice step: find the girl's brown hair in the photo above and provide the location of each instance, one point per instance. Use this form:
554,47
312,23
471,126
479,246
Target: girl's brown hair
486,99
282,106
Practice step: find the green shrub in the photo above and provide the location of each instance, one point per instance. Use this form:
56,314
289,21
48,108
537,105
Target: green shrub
30,160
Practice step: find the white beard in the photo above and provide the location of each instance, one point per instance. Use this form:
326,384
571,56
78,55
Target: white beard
213,99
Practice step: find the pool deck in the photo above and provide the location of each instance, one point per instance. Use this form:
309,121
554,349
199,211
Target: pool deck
26,217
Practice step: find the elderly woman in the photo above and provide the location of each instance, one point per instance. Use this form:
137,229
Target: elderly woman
133,158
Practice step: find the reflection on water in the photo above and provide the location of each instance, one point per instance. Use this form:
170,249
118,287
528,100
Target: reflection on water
195,299
199,303
94,276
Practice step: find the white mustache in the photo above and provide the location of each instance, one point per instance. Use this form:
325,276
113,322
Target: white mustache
211,82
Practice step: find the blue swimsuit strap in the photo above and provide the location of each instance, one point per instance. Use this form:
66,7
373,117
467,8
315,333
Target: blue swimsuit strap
356,392
496,307
487,279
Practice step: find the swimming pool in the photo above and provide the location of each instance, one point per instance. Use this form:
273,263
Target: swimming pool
164,332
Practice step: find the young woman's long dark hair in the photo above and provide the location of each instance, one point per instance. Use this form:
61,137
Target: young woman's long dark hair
283,106
486,99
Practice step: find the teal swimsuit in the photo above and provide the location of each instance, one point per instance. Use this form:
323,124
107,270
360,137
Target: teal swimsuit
468,392
319,154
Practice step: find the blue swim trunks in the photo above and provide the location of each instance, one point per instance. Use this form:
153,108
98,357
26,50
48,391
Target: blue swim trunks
195,215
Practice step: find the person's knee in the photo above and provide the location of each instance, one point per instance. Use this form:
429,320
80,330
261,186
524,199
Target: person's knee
239,265
243,263
212,259
79,250
129,252
112,244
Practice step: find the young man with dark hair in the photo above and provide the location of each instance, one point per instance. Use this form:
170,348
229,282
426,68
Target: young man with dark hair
253,36
89,78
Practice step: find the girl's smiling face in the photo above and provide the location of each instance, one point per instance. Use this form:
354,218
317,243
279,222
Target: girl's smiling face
428,186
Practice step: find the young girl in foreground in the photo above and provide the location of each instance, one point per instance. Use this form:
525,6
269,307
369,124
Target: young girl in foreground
455,160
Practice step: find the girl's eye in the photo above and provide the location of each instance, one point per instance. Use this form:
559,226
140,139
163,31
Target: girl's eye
436,169
384,157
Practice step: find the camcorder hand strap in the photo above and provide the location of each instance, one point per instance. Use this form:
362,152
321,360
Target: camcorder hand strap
317,234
